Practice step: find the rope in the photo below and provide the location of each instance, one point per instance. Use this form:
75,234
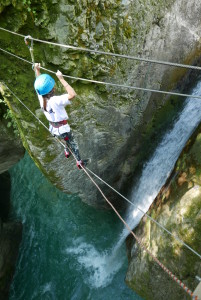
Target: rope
161,226
25,60
156,222
178,239
178,281
109,53
153,220
109,83
31,51
33,114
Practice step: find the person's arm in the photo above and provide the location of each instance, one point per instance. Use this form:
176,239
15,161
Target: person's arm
37,69
68,88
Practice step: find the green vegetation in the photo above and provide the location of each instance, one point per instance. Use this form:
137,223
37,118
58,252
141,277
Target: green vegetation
8,115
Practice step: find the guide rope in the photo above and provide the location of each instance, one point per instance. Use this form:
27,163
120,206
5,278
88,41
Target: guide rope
161,226
140,243
156,222
107,53
108,83
85,170
33,64
30,50
148,216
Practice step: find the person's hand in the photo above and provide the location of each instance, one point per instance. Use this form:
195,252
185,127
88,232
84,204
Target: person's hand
37,66
59,75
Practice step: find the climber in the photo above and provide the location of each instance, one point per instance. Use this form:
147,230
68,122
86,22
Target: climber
54,109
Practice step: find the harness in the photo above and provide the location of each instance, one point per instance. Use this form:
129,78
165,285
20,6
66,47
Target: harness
58,124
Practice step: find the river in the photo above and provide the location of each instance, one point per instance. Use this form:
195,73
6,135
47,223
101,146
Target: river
72,251
67,246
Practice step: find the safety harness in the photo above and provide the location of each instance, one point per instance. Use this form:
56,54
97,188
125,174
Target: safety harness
58,124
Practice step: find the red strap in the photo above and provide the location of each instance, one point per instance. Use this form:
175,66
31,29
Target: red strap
59,124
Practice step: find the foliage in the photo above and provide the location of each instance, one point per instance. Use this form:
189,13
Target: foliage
9,117
30,9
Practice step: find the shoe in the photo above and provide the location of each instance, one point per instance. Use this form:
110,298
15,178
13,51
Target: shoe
67,153
80,164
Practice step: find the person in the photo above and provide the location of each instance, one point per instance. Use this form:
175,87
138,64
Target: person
54,109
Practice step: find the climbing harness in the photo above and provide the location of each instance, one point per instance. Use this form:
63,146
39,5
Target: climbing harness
162,227
192,96
178,281
69,151
58,124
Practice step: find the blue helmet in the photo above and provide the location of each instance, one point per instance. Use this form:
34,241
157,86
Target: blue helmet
43,84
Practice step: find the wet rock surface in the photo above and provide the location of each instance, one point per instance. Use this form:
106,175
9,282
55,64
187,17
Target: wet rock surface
10,238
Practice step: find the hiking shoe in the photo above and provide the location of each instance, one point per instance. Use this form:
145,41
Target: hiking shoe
67,153
82,163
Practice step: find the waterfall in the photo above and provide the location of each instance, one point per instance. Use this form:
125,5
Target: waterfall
67,247
156,171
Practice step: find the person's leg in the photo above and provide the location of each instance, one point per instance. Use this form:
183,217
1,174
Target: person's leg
71,143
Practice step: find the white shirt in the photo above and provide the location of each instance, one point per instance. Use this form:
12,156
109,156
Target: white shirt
56,112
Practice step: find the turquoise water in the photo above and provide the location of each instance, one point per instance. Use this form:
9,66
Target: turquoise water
67,250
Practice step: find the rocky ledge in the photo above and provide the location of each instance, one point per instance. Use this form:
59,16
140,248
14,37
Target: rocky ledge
177,207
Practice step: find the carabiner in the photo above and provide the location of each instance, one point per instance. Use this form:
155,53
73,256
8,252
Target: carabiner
26,42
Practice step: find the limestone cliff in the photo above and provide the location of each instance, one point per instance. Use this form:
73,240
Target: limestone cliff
11,151
177,208
11,148
10,238
111,125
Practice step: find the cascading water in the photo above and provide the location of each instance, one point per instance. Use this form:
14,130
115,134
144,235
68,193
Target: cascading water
156,171
66,246
68,250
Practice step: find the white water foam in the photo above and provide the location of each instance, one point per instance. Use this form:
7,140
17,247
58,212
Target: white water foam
158,168
100,266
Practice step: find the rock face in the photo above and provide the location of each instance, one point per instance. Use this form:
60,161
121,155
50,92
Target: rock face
111,125
114,127
10,238
177,208
11,149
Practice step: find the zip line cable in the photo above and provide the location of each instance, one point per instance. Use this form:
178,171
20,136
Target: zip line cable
140,243
108,83
152,90
106,53
161,226
33,114
156,222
